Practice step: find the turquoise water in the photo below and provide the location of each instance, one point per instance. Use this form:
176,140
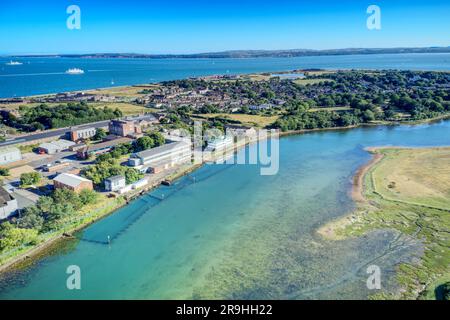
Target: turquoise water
46,75
236,234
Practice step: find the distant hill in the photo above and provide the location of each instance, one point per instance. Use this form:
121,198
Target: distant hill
256,53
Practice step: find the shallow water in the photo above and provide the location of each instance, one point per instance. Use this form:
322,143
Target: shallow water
236,234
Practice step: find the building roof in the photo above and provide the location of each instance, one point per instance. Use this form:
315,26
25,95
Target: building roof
71,180
5,196
162,149
115,178
106,144
4,150
58,144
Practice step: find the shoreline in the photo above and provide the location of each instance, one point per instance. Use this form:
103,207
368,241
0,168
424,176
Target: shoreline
328,230
156,83
375,211
35,251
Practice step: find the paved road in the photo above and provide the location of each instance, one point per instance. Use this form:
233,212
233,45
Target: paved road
57,133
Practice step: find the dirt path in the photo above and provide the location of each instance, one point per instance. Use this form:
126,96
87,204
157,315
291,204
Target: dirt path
357,192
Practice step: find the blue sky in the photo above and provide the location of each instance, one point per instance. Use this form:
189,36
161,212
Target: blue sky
36,27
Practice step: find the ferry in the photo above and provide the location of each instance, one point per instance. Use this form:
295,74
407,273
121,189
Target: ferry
75,71
14,63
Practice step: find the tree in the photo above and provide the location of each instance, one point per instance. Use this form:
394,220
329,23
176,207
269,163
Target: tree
368,115
45,203
12,237
100,134
66,196
143,143
30,178
54,218
158,138
132,175
31,218
4,172
88,196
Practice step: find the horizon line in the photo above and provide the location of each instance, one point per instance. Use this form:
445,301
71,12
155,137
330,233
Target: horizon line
305,50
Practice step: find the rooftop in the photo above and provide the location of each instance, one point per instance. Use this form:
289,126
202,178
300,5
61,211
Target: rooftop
162,149
4,197
59,144
115,178
9,149
106,144
69,179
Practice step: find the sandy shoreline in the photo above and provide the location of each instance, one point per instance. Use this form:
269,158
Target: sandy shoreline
357,192
328,231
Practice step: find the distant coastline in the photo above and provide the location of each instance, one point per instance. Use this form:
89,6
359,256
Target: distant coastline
239,54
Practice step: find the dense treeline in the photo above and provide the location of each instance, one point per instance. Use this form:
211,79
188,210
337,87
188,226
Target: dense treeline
64,115
49,214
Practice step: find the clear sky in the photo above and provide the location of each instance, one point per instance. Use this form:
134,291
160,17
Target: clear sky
188,26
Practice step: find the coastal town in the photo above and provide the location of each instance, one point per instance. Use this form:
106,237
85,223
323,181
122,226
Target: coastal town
61,139
68,159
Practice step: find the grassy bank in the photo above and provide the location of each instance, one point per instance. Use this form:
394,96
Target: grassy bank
407,190
86,216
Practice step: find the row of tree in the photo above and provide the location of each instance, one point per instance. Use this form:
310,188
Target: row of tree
44,116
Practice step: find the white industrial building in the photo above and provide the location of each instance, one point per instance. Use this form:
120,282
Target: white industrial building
55,146
9,154
160,158
115,183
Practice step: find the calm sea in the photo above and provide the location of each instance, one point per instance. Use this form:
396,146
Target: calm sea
47,75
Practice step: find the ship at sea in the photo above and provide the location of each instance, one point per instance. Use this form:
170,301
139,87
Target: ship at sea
74,71
14,63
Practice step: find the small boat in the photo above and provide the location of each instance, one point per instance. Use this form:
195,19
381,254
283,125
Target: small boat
75,71
166,183
14,63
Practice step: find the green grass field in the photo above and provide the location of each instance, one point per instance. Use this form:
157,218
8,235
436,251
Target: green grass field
245,119
304,82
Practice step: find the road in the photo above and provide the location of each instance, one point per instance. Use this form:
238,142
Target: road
58,133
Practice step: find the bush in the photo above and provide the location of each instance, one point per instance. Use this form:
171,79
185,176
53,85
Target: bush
30,178
11,236
4,172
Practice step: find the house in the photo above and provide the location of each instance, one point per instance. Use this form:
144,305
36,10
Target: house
55,146
160,158
115,183
100,148
9,154
8,204
263,106
82,134
72,182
